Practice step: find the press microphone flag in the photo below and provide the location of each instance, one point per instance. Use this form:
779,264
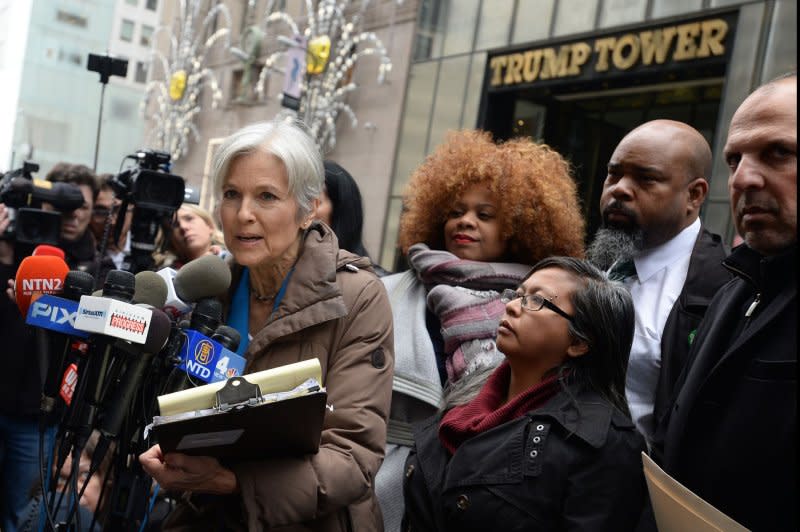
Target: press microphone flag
207,360
55,314
110,317
36,275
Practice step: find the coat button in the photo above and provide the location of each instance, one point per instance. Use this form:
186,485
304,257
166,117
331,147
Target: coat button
462,502
409,470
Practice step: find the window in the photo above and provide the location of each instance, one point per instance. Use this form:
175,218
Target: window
72,19
126,30
146,37
152,5
140,76
132,2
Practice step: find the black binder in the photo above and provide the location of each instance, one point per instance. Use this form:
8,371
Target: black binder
242,428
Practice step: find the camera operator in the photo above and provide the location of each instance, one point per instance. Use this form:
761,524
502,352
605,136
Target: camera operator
76,239
20,385
104,219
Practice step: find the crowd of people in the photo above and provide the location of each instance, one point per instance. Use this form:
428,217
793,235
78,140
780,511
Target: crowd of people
513,376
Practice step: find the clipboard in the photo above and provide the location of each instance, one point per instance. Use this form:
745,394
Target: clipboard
242,425
677,509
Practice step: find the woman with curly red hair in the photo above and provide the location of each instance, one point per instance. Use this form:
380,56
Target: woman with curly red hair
477,216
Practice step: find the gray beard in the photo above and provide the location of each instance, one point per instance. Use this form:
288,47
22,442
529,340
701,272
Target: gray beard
610,245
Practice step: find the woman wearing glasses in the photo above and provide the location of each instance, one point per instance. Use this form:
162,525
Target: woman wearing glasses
548,443
477,216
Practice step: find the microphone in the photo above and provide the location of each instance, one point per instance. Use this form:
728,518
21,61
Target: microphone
36,275
150,289
45,249
52,313
131,381
107,317
204,277
227,337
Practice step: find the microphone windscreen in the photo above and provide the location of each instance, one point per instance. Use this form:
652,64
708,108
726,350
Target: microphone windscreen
77,284
97,293
119,285
227,337
158,333
43,274
44,249
150,289
207,276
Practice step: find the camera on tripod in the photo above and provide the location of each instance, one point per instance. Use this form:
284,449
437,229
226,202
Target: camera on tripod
156,193
23,195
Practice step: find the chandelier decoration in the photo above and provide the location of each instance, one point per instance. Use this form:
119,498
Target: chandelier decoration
317,63
177,95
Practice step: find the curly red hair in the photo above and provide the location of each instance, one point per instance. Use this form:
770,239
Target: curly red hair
539,210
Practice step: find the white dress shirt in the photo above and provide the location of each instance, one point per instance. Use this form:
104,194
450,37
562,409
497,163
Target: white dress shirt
660,275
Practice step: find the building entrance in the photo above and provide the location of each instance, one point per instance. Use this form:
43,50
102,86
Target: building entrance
586,126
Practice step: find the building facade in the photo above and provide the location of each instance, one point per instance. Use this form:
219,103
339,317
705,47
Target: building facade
579,74
575,74
50,101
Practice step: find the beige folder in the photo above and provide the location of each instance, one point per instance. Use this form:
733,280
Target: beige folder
677,509
278,379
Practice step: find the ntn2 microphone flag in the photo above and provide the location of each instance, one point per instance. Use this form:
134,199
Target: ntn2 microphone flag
45,249
36,275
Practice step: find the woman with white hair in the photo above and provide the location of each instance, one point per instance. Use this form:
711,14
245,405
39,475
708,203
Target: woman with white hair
294,296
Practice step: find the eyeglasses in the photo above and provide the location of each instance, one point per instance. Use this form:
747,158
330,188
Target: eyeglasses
533,302
104,212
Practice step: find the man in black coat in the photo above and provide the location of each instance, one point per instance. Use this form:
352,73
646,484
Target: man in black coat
732,433
653,240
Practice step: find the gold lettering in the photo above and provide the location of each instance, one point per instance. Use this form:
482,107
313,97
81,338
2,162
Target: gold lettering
514,71
497,63
714,31
580,53
621,61
533,62
555,66
603,47
686,47
656,43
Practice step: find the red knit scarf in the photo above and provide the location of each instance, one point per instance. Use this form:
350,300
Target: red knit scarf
487,410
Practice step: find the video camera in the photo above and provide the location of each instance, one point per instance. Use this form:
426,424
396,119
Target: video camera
23,195
156,193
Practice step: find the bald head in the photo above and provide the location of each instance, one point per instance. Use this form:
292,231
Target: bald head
656,181
684,144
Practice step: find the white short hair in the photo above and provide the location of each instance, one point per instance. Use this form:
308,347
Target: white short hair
289,141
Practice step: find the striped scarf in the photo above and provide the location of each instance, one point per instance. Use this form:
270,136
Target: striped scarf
465,296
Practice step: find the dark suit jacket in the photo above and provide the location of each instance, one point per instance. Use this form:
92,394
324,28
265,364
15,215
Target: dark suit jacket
732,434
706,275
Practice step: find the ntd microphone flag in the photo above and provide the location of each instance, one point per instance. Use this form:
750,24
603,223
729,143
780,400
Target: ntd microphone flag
207,360
55,314
102,315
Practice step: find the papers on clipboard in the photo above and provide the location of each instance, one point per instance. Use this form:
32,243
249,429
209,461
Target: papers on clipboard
237,421
678,509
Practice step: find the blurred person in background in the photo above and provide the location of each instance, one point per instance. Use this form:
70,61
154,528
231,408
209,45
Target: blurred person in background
342,209
194,233
104,219
20,381
478,215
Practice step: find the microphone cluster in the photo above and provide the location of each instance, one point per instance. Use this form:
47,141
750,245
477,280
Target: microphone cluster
105,357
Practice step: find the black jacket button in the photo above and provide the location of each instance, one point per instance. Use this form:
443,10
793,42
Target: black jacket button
462,502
